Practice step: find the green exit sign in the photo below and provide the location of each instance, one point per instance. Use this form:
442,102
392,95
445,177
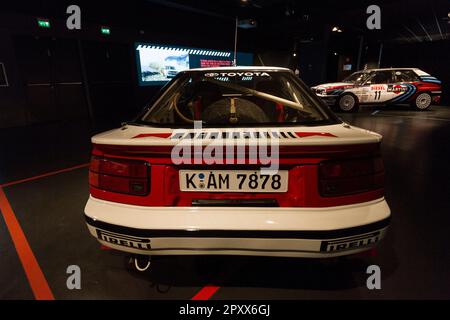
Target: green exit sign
43,23
105,30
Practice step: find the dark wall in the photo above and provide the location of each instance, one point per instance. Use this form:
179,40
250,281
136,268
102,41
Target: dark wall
313,59
12,98
50,75
44,122
58,75
313,63
65,85
110,81
45,66
431,57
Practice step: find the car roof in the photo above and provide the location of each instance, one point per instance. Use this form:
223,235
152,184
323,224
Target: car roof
387,69
417,71
259,68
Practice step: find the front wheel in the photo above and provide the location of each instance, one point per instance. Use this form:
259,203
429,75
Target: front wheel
422,101
348,103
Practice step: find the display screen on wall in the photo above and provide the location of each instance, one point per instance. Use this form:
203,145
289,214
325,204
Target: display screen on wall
347,67
157,64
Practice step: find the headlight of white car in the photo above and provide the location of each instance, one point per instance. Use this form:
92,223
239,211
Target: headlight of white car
320,91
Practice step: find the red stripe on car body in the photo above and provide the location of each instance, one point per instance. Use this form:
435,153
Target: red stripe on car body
310,134
156,135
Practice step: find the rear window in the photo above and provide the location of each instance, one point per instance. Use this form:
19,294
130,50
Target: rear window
236,98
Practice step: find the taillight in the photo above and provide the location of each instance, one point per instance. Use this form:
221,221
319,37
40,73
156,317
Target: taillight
344,177
120,175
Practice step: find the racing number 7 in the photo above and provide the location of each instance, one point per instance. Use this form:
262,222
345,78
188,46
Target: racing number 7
242,177
266,178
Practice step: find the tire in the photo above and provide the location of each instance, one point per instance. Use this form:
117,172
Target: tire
348,103
422,101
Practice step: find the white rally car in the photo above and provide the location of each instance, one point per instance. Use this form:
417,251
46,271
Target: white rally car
237,161
382,86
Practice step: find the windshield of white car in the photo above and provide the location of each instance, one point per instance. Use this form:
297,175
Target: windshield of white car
357,77
236,98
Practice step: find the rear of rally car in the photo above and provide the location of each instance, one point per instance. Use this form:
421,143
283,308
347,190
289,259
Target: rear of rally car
324,199
428,88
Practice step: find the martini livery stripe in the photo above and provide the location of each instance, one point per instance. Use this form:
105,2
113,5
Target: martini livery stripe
411,89
430,79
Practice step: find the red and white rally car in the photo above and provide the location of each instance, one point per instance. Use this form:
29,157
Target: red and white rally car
382,86
237,161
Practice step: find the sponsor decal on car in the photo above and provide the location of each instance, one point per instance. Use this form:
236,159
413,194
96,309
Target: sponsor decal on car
396,88
350,243
236,74
377,88
410,89
123,240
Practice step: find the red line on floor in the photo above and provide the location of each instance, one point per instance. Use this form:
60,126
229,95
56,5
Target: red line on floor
35,276
368,253
206,293
51,173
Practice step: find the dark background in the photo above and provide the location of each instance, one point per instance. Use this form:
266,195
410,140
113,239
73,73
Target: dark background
65,85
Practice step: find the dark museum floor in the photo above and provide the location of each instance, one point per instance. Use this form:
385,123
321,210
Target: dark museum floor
414,258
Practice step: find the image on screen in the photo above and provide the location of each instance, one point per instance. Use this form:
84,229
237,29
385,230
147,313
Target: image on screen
158,64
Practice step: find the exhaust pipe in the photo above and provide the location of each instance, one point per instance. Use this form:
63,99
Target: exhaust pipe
141,262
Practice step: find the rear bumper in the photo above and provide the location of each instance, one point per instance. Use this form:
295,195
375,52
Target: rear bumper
289,232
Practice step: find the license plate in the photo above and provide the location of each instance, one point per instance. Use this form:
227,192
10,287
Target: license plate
233,181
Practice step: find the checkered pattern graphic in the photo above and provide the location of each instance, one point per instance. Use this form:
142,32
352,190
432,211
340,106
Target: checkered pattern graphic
202,52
